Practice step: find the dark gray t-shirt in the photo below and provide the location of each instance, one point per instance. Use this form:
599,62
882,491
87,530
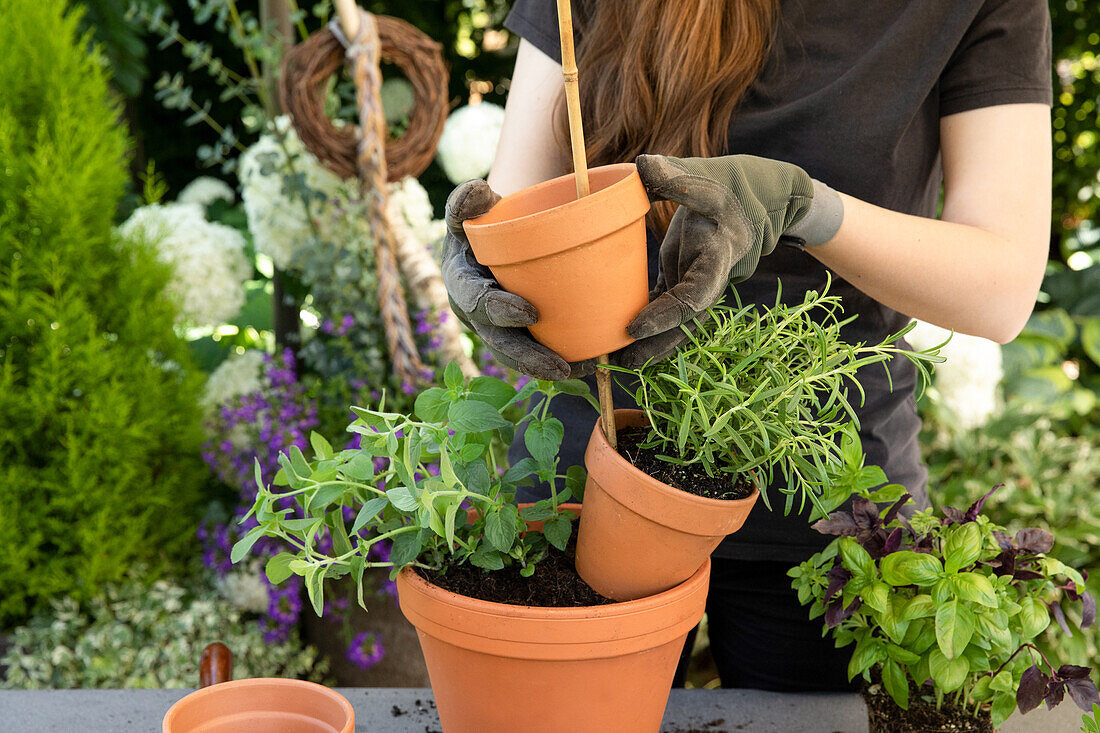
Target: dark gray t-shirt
853,92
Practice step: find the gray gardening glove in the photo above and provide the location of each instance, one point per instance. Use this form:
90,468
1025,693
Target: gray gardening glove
500,318
733,210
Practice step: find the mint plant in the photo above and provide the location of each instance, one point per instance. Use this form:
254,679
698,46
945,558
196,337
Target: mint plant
952,602
766,391
431,484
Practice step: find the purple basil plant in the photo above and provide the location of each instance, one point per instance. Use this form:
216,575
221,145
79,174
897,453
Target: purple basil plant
950,603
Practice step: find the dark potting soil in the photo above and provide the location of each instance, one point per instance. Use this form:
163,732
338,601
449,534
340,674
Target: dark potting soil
884,715
691,478
555,583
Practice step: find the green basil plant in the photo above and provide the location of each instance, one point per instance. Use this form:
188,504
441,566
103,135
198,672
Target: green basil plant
433,484
951,603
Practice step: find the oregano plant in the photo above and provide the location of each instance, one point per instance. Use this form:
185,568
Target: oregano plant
767,391
951,603
431,484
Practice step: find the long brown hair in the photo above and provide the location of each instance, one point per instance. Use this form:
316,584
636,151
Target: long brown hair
663,76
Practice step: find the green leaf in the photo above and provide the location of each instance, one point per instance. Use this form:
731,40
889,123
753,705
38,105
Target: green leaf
520,470
962,547
486,558
477,478
500,530
1004,704
577,388
402,499
406,548
540,511
954,627
449,522
876,595
472,416
948,674
980,691
543,439
368,512
298,461
910,568
244,544
576,478
359,468
1034,617
452,375
557,532
857,560
315,588
919,606
492,391
893,679
975,588
868,653
431,405
324,496
322,449
278,567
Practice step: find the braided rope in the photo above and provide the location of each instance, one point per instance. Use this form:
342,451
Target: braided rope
364,56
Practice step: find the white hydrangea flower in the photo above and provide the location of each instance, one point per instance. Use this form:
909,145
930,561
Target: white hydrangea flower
409,200
276,213
244,588
238,375
208,263
468,144
966,383
205,190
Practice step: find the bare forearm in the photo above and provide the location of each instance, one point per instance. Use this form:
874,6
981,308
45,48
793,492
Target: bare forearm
956,276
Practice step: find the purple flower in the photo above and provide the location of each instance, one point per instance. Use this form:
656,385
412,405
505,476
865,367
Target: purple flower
366,650
327,326
346,324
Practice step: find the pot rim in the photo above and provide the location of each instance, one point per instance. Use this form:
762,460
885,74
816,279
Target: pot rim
611,208
197,697
709,515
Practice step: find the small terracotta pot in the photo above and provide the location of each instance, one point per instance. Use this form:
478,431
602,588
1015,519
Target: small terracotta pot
263,704
638,536
580,262
496,667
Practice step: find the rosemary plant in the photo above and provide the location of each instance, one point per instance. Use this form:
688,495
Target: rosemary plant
767,390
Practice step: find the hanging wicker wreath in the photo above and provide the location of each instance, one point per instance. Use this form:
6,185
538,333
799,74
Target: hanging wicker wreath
306,70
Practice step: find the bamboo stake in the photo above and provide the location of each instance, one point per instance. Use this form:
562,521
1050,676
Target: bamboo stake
580,171
348,13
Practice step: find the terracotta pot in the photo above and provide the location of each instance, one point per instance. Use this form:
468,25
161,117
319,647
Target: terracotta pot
580,262
638,536
496,667
263,704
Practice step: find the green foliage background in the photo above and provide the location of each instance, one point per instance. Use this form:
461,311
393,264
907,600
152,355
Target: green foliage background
99,423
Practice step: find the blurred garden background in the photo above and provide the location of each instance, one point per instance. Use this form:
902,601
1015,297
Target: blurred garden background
185,290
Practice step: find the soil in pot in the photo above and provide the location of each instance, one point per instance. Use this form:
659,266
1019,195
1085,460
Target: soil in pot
555,583
691,478
884,715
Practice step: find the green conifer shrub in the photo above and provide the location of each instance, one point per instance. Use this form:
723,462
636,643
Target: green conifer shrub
99,423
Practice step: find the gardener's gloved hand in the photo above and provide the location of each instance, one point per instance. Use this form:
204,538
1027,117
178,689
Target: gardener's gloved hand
500,318
733,210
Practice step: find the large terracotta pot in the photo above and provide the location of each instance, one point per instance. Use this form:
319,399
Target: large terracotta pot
262,704
580,262
638,536
496,667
